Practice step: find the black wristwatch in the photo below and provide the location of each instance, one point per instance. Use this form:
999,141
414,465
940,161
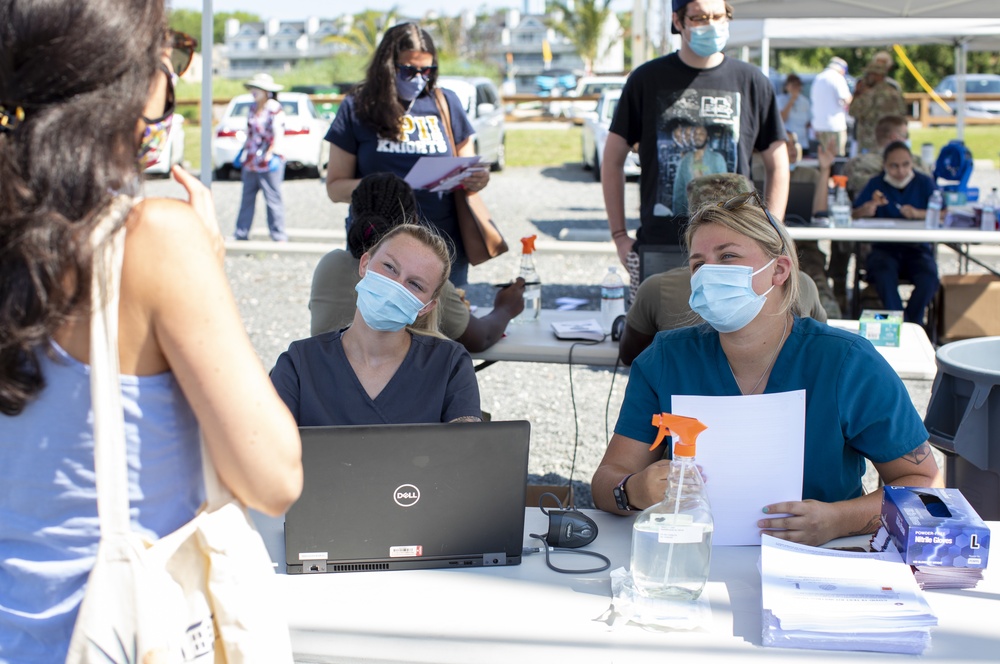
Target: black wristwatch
621,498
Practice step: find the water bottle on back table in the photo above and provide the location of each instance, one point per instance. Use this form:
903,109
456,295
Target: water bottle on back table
612,299
840,211
989,213
934,205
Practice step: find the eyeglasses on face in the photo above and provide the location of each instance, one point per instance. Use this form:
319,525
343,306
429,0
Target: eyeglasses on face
739,200
705,19
171,103
182,50
409,71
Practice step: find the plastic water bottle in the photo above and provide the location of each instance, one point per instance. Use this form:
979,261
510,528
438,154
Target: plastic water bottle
840,211
533,285
612,299
672,540
989,216
934,205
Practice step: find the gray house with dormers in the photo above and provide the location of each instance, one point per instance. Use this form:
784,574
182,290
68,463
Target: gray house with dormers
276,46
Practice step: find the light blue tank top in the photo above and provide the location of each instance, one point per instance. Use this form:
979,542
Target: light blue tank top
48,500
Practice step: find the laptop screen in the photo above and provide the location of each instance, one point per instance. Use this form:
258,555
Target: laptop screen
409,497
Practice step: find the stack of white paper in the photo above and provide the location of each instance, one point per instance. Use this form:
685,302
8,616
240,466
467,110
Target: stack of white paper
839,600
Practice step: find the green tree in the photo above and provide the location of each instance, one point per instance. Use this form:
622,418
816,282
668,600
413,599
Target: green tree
448,34
366,31
187,20
625,18
581,25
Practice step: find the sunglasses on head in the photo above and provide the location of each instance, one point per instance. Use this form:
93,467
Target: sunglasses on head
182,50
409,71
171,103
738,201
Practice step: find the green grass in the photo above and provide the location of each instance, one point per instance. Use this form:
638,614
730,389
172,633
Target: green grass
542,147
982,140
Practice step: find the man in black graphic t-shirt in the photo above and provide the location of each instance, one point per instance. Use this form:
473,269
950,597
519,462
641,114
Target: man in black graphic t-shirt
692,112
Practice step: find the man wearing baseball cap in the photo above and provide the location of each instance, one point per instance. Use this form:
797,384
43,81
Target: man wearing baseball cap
696,90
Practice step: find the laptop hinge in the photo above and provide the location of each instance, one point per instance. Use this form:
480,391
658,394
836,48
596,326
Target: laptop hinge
491,559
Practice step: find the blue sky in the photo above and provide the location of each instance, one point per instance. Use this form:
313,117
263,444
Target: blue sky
298,9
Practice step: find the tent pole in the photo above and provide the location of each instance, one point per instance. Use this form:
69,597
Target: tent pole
206,92
961,68
765,55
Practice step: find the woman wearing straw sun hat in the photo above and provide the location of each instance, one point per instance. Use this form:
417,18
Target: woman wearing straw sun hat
263,164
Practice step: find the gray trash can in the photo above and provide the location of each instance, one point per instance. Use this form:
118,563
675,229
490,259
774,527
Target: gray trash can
963,418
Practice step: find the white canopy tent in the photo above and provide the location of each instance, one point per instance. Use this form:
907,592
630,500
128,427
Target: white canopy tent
964,34
935,9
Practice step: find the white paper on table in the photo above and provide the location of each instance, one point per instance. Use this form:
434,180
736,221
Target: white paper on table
812,588
752,453
440,173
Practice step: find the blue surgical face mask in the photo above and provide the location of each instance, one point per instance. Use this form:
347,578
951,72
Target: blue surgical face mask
724,296
385,304
409,89
707,40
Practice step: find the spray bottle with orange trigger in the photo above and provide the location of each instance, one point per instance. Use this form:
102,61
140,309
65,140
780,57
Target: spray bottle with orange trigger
532,283
672,540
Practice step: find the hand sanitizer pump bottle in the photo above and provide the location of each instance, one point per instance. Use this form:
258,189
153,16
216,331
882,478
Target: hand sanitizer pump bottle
533,285
672,540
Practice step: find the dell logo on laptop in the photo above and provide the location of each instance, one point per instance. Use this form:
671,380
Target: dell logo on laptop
406,495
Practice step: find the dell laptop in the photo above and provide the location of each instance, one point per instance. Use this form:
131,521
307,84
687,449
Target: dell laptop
413,496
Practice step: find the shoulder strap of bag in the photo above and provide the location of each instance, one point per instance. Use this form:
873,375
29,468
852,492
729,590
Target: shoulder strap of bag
445,111
110,463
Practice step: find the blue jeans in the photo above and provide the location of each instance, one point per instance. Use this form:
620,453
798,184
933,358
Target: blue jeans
888,262
268,182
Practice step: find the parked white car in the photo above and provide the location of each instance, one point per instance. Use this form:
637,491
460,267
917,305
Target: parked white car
482,103
974,84
595,135
579,111
303,145
173,151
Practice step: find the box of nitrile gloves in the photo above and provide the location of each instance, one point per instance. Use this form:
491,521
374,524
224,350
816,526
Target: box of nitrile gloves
936,527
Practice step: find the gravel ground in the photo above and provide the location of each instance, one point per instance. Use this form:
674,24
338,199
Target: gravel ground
569,410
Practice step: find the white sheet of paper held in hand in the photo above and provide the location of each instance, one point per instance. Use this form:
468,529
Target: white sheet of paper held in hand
752,453
440,173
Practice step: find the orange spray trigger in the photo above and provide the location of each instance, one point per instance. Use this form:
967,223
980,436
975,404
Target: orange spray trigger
685,428
528,244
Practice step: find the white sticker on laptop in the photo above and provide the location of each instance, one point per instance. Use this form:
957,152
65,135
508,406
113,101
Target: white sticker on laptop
313,555
414,551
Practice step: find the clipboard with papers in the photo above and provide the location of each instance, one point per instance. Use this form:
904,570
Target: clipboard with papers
442,174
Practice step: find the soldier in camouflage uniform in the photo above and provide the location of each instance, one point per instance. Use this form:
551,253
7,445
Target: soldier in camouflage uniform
874,98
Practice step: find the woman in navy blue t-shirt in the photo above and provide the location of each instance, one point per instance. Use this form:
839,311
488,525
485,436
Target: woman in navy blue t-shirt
392,120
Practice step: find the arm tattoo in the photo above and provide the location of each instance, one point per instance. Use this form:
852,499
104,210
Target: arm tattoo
870,527
918,455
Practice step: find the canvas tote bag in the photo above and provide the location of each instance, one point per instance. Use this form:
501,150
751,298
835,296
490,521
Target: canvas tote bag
480,236
200,594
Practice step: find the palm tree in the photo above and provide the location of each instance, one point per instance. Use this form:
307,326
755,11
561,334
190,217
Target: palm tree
582,23
448,35
366,31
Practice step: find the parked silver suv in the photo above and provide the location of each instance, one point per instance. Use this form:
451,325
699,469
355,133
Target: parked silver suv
482,103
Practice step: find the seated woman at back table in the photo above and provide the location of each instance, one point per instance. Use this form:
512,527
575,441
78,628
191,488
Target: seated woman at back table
899,192
754,342
385,201
391,366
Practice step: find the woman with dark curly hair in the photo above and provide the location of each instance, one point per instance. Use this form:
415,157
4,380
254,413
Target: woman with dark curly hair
85,87
392,120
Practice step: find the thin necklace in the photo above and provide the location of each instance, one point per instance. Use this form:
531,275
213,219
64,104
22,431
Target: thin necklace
767,368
